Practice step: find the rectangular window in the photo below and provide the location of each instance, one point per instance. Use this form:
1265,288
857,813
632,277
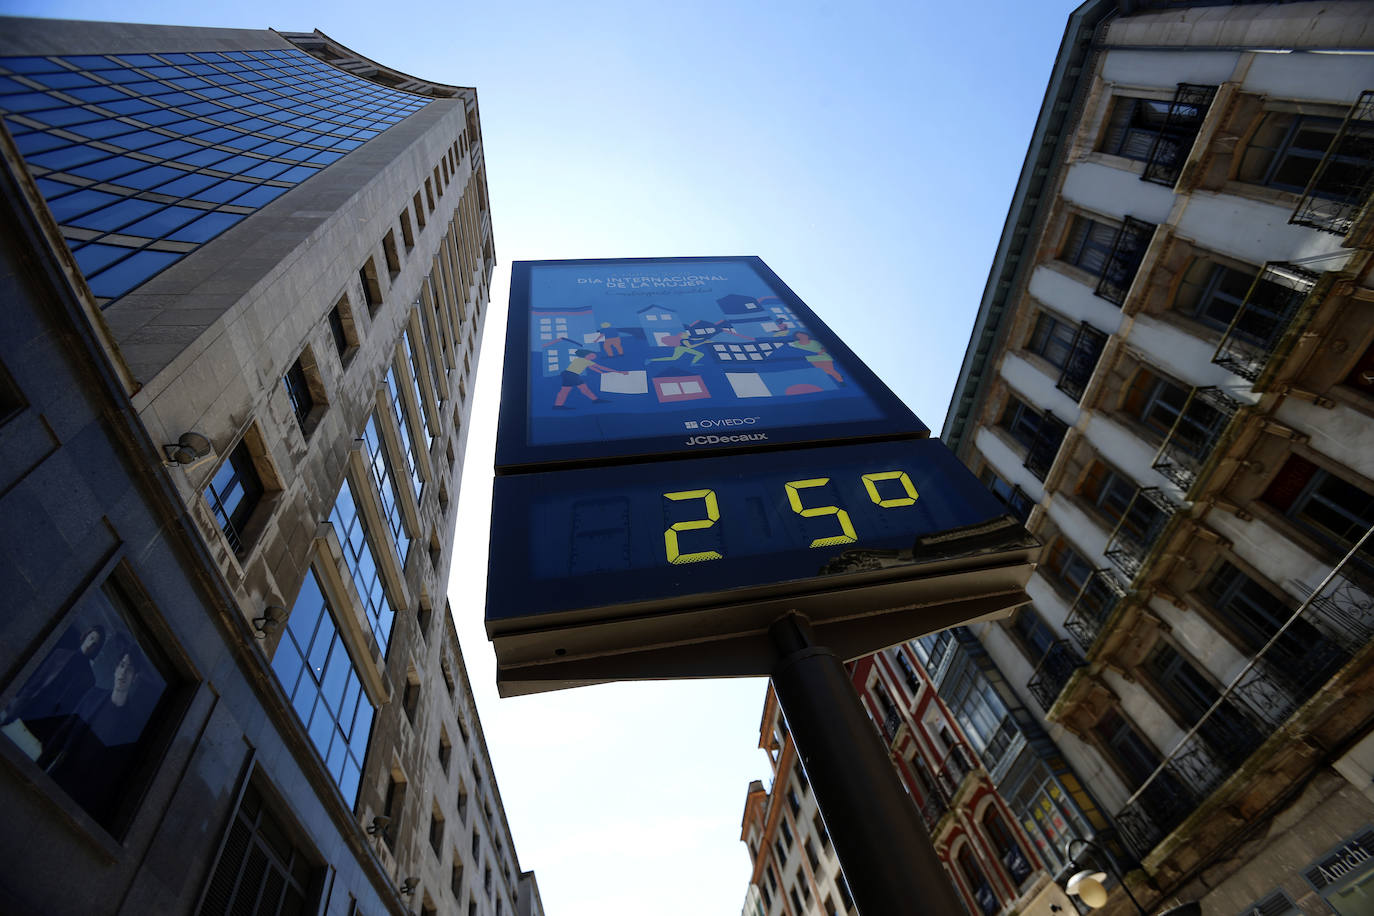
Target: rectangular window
419,210
1029,630
392,808
393,259
1052,339
429,195
1134,126
319,677
362,564
1011,496
407,428
1287,148
298,393
1333,510
342,330
1022,421
455,881
1134,756
1089,244
385,482
410,700
436,832
820,830
372,289
93,706
430,422
233,493
407,233
260,869
445,750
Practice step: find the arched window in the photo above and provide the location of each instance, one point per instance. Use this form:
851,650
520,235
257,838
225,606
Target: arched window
1008,850
977,882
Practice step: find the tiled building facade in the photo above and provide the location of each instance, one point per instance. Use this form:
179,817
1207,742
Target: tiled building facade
1169,381
246,274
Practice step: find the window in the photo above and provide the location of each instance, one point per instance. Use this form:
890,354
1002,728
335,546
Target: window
445,749
980,711
1134,126
1052,339
977,882
820,830
1190,695
1066,568
793,801
811,856
372,289
94,704
455,881
423,615
419,210
1158,403
261,869
392,808
1089,244
1287,148
429,195
1011,496
1111,494
796,901
1022,421
1134,757
436,831
1330,508
407,234
233,493
342,330
413,376
362,564
406,427
410,700
393,260
462,803
315,670
298,392
1007,849
843,887
386,486
1213,292
1031,632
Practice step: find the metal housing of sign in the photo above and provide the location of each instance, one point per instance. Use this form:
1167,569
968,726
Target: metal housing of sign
687,453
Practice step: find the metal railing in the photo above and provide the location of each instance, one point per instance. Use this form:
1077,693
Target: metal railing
1341,185
1138,529
1175,139
932,809
1265,694
1259,324
1128,249
1049,435
1082,360
952,770
892,723
1200,425
1094,603
1052,674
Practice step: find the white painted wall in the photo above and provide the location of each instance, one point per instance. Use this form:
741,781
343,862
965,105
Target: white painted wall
1342,433
1116,192
1336,78
1255,231
1088,535
1166,69
1073,299
1212,651
1007,463
1185,356
1037,387
1149,717
1123,447
1283,561
1047,601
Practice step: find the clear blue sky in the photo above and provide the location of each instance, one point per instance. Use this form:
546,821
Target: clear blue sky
866,151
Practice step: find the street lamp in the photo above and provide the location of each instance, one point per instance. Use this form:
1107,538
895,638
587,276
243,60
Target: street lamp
1086,883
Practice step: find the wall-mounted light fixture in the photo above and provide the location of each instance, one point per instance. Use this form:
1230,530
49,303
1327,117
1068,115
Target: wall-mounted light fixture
1087,882
188,450
408,886
273,616
379,825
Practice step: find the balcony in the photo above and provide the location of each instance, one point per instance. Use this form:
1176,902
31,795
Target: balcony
1049,435
1093,605
953,768
1128,249
1199,427
1175,139
1082,360
1051,675
1336,621
1263,318
932,809
892,724
1138,530
1340,186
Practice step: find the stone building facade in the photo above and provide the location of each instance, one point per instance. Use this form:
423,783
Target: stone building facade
1169,380
245,273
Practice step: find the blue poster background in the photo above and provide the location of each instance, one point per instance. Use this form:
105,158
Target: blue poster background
625,350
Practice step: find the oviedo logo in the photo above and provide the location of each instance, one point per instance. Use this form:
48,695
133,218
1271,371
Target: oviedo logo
720,424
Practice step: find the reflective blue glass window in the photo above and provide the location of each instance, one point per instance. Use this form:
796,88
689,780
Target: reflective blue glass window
90,62
92,257
259,196
67,157
62,80
150,177
162,223
205,228
188,185
109,169
125,106
386,485
128,273
362,564
398,408
32,65
38,141
97,94
78,202
61,117
314,669
224,192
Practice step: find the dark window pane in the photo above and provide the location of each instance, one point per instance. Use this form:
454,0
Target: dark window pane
124,276
116,215
92,257
205,228
67,157
163,222
259,196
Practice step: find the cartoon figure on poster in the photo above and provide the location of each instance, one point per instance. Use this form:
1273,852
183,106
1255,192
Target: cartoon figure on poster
713,334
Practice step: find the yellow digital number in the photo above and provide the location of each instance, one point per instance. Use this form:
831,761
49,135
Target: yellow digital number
794,498
871,485
675,556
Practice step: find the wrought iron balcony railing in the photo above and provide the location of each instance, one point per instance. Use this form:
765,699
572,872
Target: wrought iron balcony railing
1082,360
892,723
1128,249
1049,435
1316,641
932,809
1259,324
1175,138
956,765
1052,674
1092,606
1138,529
1341,185
1200,425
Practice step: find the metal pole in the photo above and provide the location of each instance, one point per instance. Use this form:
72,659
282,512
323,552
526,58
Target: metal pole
878,834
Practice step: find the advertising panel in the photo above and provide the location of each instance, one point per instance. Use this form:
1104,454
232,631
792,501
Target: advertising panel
611,359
